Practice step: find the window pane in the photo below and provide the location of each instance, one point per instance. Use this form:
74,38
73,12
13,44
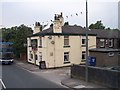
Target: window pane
102,42
40,41
66,56
31,56
34,43
66,40
83,55
83,41
110,43
36,57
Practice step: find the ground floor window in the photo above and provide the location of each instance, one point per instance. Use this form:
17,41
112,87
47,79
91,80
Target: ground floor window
66,56
40,56
31,56
36,57
83,55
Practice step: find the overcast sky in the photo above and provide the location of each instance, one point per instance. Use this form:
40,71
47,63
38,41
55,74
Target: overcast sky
15,12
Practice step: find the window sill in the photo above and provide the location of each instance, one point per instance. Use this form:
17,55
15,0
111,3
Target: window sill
83,45
83,60
110,46
66,46
40,46
102,47
66,62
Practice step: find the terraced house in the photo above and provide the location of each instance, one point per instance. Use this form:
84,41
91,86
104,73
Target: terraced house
59,45
107,52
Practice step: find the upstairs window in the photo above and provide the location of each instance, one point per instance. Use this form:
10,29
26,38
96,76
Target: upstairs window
66,40
83,41
102,43
110,42
34,43
40,42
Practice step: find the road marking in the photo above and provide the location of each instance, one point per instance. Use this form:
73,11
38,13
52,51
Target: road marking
2,84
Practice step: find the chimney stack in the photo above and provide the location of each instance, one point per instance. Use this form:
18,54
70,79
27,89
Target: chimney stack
58,23
37,28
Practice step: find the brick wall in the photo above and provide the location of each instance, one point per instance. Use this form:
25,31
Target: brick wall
103,59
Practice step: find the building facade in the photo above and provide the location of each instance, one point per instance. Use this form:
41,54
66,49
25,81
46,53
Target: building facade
60,45
108,39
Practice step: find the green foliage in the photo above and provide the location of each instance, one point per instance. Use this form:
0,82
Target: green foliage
97,25
17,35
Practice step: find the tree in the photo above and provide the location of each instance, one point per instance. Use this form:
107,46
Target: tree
18,35
97,25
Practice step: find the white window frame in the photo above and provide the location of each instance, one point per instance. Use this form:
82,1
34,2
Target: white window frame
83,38
40,41
83,59
111,41
40,56
34,42
111,54
103,42
31,55
118,53
66,40
66,54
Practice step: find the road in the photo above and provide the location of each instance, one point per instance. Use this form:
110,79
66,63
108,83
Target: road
16,77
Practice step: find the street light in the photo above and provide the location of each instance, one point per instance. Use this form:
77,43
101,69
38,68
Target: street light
86,67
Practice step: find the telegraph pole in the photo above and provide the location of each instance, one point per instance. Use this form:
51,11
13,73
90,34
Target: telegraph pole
86,68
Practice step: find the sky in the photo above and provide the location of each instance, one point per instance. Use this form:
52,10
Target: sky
17,12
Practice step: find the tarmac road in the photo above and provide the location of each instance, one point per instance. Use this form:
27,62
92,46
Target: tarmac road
16,77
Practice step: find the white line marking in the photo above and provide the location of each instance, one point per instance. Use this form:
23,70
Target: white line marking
2,84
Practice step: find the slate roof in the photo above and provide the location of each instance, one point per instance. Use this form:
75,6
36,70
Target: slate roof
78,30
101,33
66,30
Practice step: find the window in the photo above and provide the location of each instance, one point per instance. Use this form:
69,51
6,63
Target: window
66,56
102,43
36,58
31,55
40,41
66,40
118,53
110,42
83,41
83,56
110,54
40,56
34,43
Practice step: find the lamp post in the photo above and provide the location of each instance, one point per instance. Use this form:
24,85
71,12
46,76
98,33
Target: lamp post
86,66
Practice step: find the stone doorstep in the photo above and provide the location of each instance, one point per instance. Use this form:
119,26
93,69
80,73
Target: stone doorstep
79,86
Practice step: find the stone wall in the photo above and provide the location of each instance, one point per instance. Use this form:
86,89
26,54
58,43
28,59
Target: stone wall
105,77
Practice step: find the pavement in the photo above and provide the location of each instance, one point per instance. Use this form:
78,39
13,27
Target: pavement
59,76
